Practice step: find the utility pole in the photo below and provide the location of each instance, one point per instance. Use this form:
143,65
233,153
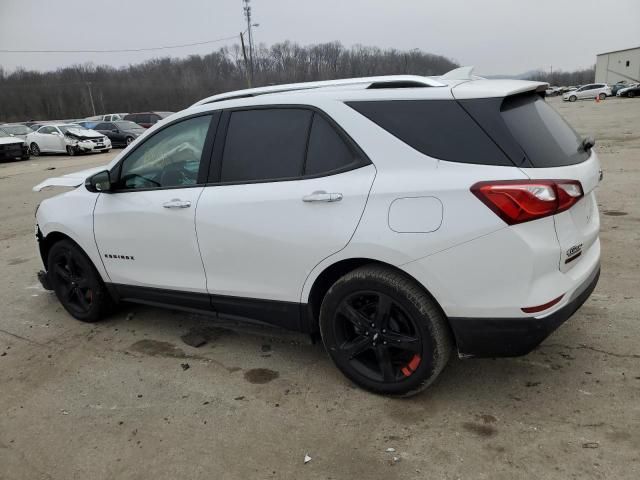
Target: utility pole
93,107
246,62
247,14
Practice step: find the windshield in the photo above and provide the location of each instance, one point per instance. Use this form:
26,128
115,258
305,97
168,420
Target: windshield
128,126
2,134
17,129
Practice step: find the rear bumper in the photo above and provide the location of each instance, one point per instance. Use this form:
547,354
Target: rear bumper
512,337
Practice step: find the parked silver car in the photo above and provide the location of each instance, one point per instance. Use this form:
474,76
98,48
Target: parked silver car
590,91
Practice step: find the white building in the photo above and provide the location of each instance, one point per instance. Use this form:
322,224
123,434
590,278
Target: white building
614,67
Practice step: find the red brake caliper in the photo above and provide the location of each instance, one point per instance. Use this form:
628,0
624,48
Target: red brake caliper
411,367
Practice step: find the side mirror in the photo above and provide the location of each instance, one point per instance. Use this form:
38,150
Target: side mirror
99,182
115,130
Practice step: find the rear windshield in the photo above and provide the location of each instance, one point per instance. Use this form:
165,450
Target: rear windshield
546,138
438,128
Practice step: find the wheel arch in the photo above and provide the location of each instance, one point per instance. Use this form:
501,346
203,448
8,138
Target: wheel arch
333,272
45,242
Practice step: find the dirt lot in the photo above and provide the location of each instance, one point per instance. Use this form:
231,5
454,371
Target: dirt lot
116,399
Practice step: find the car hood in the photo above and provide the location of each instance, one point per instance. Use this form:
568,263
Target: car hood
10,140
70,180
83,134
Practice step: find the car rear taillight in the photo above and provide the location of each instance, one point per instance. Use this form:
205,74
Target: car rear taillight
518,201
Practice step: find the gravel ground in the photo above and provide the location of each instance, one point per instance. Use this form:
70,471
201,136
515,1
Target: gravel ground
127,399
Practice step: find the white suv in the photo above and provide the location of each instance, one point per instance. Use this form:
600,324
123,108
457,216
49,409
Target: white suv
591,91
400,218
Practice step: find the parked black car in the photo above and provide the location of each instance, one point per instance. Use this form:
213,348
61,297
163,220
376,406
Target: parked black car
120,132
616,87
147,119
632,92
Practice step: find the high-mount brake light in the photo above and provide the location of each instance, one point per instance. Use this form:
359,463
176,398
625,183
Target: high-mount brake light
519,201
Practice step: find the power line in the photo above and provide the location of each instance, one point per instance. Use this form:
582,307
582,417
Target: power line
123,50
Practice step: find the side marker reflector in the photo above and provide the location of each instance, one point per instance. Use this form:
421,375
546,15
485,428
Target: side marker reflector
542,307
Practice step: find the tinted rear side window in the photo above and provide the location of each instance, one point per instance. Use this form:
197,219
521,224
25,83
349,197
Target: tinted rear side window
437,128
546,138
265,144
327,151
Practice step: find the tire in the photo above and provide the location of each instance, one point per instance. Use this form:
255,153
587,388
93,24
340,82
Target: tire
71,151
602,96
26,156
631,94
573,98
128,141
35,149
76,282
369,309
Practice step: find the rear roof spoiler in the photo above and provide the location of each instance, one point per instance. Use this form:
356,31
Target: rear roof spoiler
496,88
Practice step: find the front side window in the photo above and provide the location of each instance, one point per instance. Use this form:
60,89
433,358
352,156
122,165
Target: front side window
265,144
170,158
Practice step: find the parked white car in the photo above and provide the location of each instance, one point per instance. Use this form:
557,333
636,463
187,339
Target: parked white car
12,148
593,90
109,117
17,130
400,218
66,138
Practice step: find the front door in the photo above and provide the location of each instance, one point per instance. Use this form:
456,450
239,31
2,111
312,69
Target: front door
48,139
290,190
145,228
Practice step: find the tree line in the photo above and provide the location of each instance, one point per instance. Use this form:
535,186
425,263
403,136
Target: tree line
171,84
563,78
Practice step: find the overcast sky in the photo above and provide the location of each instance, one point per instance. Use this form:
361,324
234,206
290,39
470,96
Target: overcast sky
497,36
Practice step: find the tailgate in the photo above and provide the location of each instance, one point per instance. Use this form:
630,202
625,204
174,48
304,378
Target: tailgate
577,228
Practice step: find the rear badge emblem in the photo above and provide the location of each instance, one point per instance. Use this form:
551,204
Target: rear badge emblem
574,250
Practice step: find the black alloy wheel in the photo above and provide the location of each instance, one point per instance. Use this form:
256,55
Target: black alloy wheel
76,282
384,331
377,337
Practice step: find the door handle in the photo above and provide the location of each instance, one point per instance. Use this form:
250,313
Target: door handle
322,196
177,203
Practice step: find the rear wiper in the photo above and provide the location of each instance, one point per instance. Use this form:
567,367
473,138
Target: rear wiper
587,143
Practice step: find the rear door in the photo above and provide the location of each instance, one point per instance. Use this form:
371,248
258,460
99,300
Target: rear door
288,190
555,151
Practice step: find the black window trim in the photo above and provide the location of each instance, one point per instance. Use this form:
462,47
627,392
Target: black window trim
215,171
205,158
